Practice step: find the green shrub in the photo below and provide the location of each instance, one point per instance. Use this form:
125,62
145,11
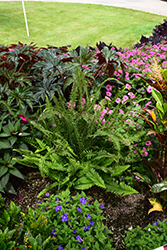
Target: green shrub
151,237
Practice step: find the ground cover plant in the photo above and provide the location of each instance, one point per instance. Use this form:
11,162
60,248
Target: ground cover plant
85,124
60,24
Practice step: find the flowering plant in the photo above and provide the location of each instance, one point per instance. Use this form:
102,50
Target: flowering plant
73,223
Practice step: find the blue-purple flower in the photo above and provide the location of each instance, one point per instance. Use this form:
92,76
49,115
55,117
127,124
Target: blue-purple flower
155,223
83,200
58,208
47,194
86,228
83,248
60,247
74,231
79,239
88,216
38,203
91,223
64,217
57,200
53,233
79,209
102,206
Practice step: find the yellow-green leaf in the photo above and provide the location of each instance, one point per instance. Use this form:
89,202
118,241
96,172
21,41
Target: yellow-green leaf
156,205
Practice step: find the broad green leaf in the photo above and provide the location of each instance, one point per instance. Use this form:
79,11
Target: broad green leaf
157,96
6,216
165,107
159,187
5,179
5,134
3,170
160,107
4,144
164,72
16,173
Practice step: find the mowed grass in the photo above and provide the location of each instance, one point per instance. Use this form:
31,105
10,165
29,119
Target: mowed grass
59,24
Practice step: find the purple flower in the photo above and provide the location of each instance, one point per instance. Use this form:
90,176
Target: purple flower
53,233
102,206
56,199
74,231
104,230
64,217
79,239
58,208
38,203
155,223
83,248
79,209
83,200
86,227
91,223
71,199
88,217
47,194
60,247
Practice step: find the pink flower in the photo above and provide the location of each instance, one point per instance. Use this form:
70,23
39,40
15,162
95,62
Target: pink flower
128,86
23,118
108,93
117,100
125,98
110,112
149,89
148,143
109,87
108,98
121,111
137,178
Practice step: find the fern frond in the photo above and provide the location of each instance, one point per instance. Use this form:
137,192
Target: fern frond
93,175
83,183
120,188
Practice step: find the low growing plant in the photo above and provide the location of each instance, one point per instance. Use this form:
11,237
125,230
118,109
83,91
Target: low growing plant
151,237
59,222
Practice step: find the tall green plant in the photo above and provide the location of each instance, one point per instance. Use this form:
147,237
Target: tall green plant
77,148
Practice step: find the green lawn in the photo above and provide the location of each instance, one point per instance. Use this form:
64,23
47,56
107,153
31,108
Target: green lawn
73,24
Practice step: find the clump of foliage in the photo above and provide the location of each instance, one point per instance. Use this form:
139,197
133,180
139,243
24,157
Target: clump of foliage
151,237
59,222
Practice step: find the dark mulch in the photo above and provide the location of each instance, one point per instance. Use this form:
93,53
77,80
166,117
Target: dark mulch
122,213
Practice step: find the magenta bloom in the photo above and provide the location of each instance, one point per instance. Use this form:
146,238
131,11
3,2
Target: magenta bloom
149,89
108,93
23,119
121,111
147,143
117,100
